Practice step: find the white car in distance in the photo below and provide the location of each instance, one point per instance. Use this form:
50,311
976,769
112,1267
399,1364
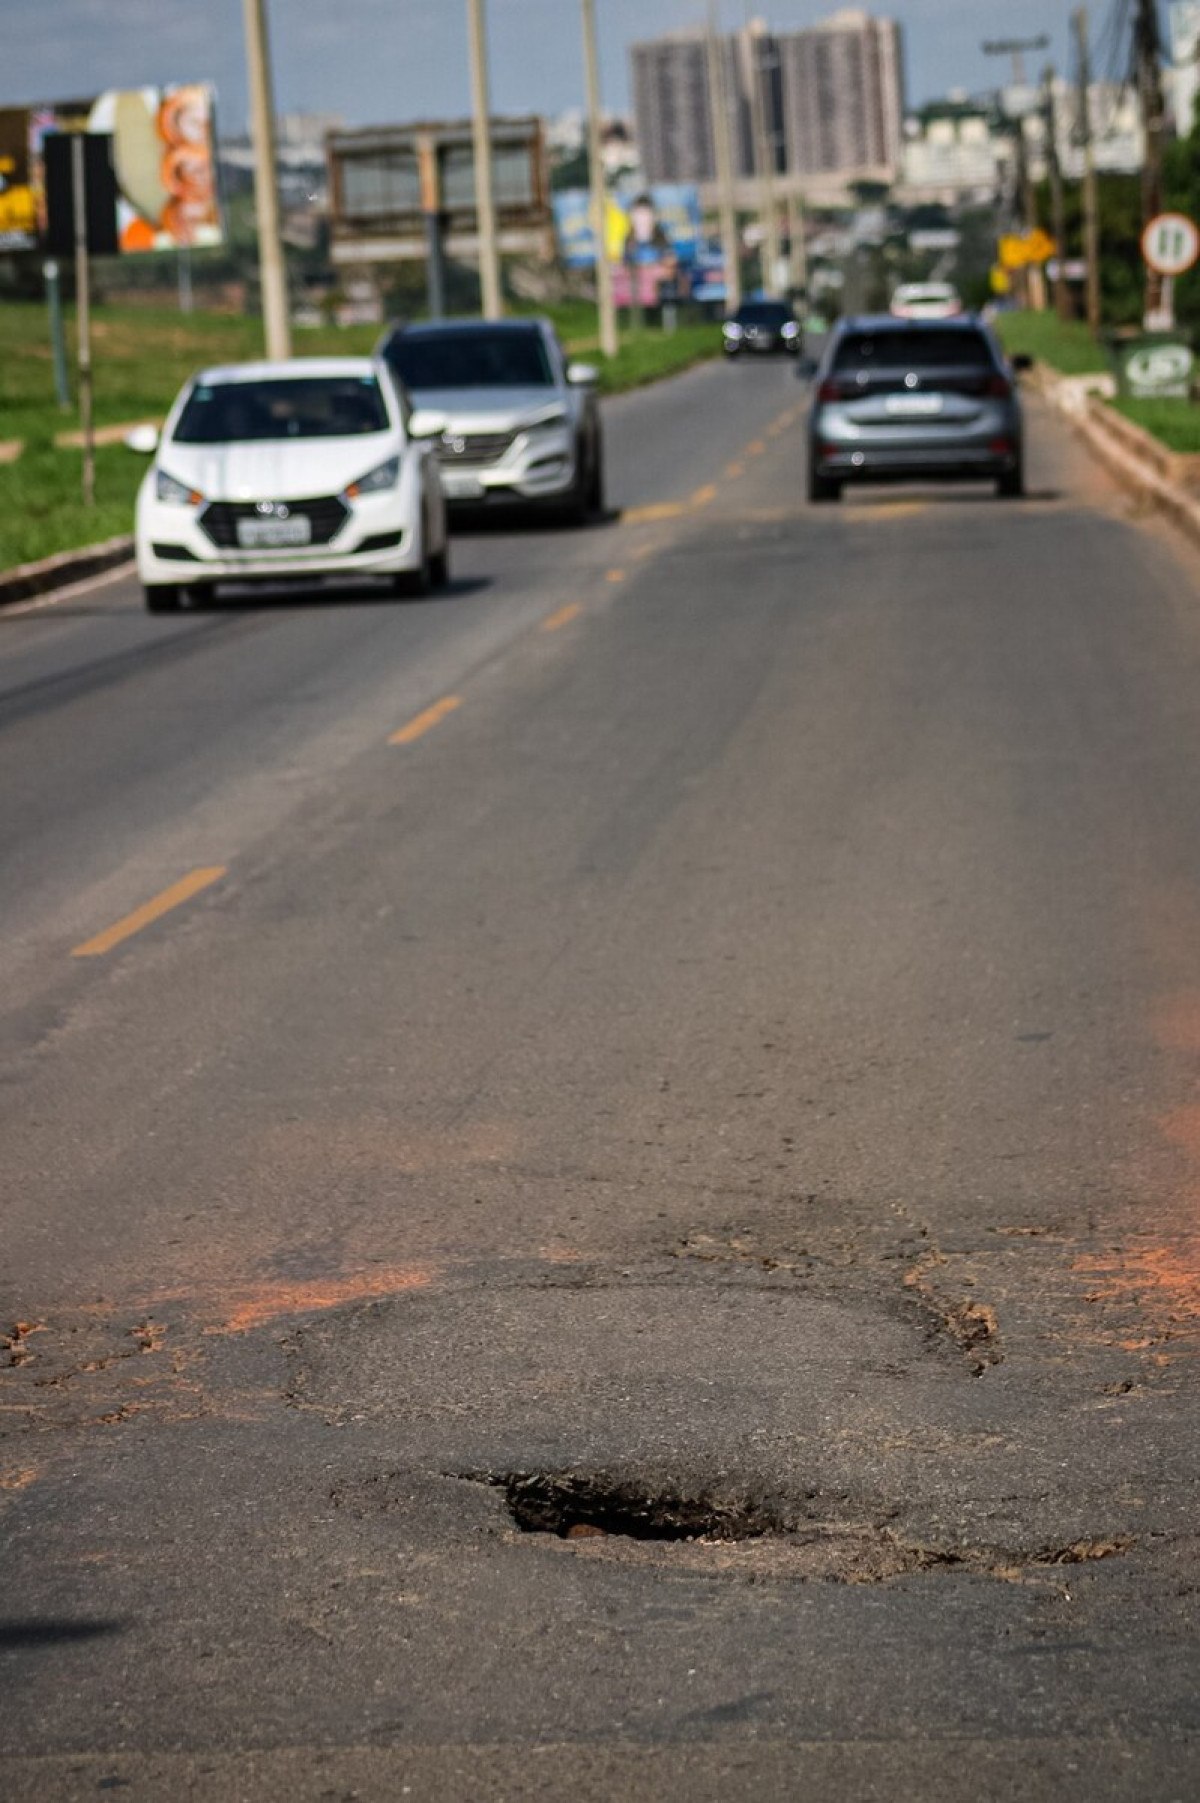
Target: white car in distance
926,300
301,469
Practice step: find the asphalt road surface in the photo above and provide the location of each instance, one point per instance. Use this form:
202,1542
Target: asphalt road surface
601,1172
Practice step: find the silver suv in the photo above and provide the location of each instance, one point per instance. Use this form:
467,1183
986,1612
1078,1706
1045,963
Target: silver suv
905,399
510,418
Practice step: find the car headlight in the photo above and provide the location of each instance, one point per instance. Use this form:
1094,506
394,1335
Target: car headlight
384,475
791,329
176,494
732,329
551,420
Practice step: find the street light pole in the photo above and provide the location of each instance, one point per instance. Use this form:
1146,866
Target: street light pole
272,269
718,94
599,195
485,205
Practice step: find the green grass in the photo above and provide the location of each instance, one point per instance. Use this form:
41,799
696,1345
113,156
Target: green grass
1174,423
1066,345
142,357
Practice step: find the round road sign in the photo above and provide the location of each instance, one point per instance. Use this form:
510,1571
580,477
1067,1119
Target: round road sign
1171,243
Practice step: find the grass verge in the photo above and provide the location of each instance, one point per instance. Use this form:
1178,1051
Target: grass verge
142,357
1175,424
1065,344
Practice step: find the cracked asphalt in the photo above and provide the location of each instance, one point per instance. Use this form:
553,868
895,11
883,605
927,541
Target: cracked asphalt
697,1025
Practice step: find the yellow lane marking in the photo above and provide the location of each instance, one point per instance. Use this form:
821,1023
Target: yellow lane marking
734,470
656,510
563,617
141,917
422,724
886,510
756,449
644,551
614,576
703,497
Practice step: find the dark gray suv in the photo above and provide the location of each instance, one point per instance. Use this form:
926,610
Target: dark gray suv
905,400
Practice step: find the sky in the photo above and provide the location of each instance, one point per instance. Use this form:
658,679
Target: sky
379,61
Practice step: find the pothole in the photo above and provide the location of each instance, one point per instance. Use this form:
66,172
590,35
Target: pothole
807,1539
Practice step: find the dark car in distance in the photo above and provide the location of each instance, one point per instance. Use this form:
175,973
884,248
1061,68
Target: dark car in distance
761,326
911,399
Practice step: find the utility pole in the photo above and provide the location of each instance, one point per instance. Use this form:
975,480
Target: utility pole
798,242
1147,50
764,158
485,204
718,98
272,269
1091,193
1016,48
1058,209
609,342
83,315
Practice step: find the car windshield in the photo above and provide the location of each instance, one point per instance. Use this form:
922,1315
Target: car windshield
288,407
763,313
472,360
866,351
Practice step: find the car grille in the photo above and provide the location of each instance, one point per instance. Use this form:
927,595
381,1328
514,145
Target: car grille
471,450
327,513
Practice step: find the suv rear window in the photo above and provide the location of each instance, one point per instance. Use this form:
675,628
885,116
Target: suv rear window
475,359
927,348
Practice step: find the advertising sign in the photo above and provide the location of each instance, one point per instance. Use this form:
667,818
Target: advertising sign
18,202
644,226
162,149
1157,370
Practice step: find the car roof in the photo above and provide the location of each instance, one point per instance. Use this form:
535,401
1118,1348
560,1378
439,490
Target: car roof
295,367
445,328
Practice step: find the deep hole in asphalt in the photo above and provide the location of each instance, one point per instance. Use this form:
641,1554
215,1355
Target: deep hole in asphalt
574,1506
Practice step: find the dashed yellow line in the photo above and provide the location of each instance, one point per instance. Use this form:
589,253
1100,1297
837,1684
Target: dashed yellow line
150,911
756,449
644,551
563,617
425,722
654,510
734,470
614,576
886,510
704,497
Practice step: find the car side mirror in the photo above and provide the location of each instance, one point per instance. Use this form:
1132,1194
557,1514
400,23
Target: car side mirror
425,423
143,440
1021,362
582,375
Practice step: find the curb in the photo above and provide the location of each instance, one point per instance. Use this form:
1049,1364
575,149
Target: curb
65,566
1128,453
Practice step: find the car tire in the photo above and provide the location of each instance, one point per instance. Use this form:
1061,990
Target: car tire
1011,487
163,598
823,488
413,585
576,510
596,497
439,566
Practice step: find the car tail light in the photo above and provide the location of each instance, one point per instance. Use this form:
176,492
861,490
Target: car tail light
833,390
1000,447
1000,387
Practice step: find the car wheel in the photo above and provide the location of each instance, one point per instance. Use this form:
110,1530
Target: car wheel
163,598
439,567
823,488
596,502
1011,487
577,507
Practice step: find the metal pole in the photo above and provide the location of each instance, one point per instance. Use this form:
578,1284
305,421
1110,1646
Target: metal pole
718,95
83,316
1148,51
799,243
272,268
58,336
609,342
485,205
1091,195
764,159
187,298
1062,294
1036,273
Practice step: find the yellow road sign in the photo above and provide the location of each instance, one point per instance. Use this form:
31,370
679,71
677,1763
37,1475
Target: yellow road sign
1039,245
1013,254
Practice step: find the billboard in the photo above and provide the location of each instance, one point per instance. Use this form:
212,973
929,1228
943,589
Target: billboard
163,154
643,225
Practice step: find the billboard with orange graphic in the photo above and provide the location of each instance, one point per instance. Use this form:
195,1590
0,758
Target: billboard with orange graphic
163,156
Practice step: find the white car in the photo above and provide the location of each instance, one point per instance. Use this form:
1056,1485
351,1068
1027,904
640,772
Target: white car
300,469
926,300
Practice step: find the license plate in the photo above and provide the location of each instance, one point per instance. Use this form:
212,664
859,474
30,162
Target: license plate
914,406
264,535
459,486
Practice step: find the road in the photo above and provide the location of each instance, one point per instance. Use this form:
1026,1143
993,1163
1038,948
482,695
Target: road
601,1172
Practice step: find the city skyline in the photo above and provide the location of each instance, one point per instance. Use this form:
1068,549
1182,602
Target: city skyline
407,59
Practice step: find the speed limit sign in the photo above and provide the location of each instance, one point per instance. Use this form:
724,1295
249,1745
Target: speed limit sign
1171,244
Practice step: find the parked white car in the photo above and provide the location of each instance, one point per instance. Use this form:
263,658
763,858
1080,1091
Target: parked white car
300,469
926,300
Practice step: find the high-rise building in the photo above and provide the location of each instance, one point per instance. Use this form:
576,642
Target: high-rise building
843,96
672,109
825,101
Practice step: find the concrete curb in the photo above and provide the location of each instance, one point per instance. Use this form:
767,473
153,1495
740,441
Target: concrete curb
1143,467
29,579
